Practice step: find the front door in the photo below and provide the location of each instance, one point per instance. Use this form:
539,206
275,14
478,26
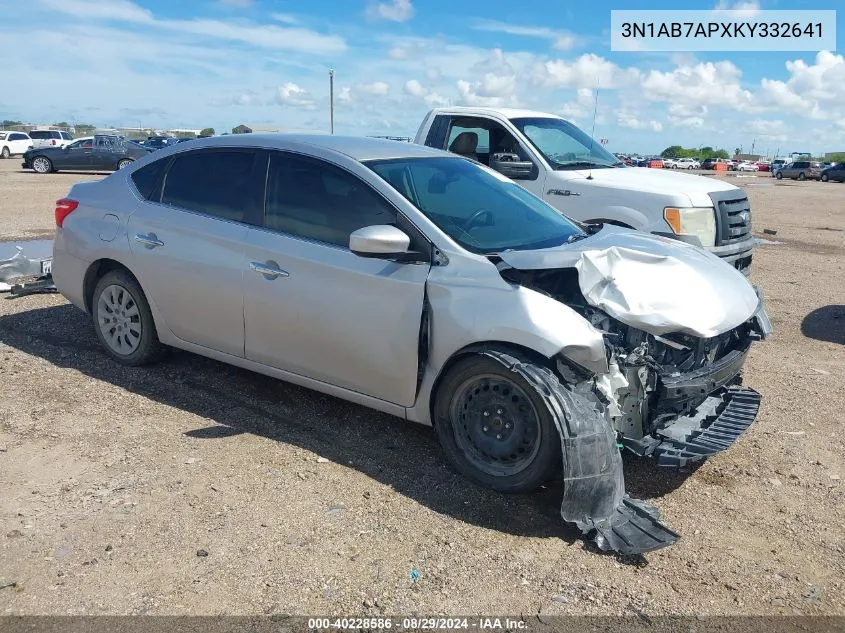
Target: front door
314,308
189,249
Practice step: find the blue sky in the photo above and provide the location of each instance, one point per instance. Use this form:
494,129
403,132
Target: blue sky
219,63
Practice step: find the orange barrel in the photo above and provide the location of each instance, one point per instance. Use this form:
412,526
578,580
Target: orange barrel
721,167
655,164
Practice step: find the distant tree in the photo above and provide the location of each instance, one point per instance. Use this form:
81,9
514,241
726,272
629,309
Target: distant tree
10,123
241,129
673,151
84,129
836,157
720,153
737,151
61,124
209,131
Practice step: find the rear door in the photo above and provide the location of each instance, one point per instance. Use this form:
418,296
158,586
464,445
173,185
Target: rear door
188,241
326,313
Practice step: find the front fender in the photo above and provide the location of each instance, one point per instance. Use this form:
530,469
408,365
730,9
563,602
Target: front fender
466,311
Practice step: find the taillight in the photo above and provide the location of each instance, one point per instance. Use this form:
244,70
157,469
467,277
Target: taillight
64,208
53,142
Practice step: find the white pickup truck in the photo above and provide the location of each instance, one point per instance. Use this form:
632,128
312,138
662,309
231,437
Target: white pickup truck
558,162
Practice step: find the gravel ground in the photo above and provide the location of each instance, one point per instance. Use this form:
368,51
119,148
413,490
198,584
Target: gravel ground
192,487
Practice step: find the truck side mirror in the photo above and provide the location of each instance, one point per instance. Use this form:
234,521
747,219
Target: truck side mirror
509,165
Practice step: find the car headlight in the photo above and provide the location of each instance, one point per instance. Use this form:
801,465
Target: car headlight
697,222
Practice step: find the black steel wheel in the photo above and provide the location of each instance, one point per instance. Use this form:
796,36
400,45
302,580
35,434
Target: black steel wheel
494,427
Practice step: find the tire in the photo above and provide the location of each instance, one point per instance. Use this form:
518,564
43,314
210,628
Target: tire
519,449
823,178
123,163
5,153
779,175
129,337
802,176
42,165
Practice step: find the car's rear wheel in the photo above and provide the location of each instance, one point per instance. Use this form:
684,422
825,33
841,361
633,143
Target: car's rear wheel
494,427
42,165
5,153
802,176
123,321
125,162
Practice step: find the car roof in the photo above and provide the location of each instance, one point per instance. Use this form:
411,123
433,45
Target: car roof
510,113
356,147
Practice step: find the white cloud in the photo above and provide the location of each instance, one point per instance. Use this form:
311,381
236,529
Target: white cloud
704,83
285,18
376,88
626,119
687,121
292,95
586,71
394,10
815,91
414,88
561,40
738,8
252,33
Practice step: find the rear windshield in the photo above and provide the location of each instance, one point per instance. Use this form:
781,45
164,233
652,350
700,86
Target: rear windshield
44,134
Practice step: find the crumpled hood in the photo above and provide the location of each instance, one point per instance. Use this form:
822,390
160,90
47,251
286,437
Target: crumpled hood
649,282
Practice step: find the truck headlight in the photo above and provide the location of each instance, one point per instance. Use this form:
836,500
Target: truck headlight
698,222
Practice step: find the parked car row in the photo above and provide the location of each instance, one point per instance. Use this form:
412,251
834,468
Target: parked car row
810,170
101,152
13,143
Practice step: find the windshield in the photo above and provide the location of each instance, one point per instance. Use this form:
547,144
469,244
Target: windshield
563,145
479,209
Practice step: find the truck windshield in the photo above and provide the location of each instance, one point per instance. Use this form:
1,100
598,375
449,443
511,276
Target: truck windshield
563,145
481,210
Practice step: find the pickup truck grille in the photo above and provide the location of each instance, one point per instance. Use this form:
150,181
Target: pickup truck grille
733,217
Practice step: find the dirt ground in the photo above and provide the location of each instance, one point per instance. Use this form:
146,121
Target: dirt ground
192,487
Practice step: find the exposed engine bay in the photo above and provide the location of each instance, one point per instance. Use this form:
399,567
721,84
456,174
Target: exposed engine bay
653,379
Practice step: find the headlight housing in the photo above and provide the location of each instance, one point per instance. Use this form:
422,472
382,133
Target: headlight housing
697,222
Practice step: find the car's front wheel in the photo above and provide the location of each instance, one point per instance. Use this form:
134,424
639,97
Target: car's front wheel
802,176
779,175
824,178
5,153
123,321
494,427
123,163
42,165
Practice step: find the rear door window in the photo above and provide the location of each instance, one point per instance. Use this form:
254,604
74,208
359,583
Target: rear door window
147,179
226,184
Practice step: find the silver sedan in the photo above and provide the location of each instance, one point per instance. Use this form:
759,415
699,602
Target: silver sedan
428,286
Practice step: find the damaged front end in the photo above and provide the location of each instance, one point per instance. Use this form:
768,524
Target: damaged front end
673,387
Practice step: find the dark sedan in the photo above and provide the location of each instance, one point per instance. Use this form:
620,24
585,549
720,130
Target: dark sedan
100,153
835,172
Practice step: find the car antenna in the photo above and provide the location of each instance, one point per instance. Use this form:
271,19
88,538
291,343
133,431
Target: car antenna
593,132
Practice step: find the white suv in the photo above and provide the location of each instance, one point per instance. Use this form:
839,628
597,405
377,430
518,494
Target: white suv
687,163
14,143
50,138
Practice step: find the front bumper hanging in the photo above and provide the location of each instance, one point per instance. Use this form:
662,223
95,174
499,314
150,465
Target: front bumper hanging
716,424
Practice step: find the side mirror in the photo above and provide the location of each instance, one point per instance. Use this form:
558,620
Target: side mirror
380,241
509,165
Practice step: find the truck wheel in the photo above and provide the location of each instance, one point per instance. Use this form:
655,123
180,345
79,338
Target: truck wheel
125,162
493,426
123,321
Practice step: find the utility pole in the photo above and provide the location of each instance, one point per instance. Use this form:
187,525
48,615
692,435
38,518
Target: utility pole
331,100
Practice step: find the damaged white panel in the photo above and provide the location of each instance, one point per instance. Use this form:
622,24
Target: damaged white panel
662,293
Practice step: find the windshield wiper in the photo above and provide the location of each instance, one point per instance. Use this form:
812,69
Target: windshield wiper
580,163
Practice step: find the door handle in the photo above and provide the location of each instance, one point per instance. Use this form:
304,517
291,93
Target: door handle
562,192
270,270
150,241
